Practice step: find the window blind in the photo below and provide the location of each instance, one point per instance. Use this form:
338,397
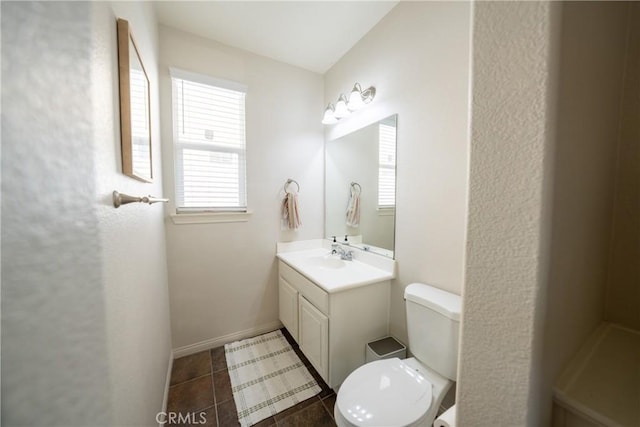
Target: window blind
387,166
210,151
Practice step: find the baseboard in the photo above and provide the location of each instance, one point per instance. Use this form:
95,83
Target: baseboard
167,383
217,342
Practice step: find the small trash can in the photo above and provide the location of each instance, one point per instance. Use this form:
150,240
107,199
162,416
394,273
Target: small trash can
385,348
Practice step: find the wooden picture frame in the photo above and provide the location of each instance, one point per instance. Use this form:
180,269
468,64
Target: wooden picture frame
135,112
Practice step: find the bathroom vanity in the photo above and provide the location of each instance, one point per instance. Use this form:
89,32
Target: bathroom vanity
333,307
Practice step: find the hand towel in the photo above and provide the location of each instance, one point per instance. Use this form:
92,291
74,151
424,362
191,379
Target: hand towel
290,212
353,209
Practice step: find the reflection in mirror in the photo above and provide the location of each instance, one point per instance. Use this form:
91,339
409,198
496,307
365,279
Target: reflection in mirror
360,187
140,146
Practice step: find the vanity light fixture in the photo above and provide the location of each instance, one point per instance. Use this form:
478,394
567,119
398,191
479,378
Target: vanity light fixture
358,98
329,117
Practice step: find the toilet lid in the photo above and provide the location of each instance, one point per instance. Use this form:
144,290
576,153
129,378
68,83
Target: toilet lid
384,393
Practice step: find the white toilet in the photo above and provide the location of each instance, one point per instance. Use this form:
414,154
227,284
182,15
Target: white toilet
394,392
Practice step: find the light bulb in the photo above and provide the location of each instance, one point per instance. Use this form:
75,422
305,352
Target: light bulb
329,117
341,108
355,98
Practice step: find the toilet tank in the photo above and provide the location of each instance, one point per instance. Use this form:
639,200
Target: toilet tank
433,321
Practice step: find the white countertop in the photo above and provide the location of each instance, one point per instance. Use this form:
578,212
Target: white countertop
313,260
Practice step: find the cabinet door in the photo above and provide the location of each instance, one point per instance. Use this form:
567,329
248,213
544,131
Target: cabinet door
314,336
288,306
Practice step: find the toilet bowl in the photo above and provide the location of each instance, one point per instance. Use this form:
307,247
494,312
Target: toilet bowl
390,392
396,393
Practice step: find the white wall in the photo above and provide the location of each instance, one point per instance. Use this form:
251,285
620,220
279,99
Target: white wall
511,164
134,265
84,295
589,97
53,331
417,57
223,277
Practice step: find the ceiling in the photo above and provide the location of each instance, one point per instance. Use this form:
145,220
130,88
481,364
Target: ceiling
312,35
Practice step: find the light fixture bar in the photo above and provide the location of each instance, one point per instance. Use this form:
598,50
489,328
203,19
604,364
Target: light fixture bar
358,98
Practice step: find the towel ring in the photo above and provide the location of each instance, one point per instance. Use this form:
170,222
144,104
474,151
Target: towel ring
354,185
290,181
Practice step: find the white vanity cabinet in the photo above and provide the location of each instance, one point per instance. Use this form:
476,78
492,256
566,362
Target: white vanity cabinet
314,336
288,306
332,328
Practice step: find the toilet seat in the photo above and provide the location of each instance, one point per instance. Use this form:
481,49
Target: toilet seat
387,392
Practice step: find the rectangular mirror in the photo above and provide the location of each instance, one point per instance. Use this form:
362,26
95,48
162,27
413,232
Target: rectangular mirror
135,112
360,187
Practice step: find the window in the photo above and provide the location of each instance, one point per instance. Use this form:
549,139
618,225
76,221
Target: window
386,166
209,143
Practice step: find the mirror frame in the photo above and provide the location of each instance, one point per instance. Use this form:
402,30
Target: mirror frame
126,44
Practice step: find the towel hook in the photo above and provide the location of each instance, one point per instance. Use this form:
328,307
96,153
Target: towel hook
354,185
290,181
120,199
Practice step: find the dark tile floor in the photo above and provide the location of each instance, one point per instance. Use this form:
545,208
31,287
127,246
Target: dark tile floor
200,386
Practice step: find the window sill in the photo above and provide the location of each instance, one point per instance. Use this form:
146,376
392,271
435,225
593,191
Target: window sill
210,217
386,211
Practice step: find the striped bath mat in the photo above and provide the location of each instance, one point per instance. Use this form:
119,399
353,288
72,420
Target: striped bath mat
266,377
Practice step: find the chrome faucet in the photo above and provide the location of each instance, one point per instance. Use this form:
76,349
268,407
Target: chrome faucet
345,255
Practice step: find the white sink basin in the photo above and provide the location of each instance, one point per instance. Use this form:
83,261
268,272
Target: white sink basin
327,262
332,273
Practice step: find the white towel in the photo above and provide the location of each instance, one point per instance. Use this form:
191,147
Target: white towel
290,212
353,209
